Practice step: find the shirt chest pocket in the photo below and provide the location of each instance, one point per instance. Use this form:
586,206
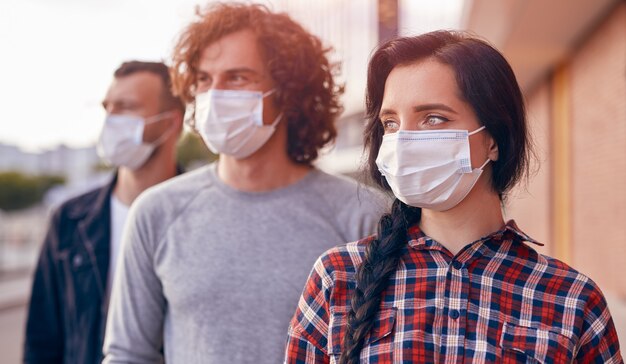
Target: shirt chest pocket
379,341
522,344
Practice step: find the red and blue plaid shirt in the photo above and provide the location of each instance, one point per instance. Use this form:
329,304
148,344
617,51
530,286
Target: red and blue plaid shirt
496,301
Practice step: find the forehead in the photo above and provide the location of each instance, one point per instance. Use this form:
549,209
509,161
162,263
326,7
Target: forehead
427,81
233,51
140,86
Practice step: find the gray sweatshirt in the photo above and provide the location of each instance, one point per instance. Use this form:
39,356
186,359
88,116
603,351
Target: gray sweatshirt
213,275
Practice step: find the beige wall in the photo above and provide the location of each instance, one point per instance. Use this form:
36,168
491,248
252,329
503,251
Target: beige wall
595,89
577,115
598,104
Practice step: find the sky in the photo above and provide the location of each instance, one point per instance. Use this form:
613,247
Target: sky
58,56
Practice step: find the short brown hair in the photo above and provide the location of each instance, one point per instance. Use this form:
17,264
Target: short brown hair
169,100
297,62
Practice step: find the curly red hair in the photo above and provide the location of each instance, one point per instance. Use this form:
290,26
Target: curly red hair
297,62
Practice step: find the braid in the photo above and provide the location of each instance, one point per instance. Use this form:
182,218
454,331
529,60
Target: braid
381,260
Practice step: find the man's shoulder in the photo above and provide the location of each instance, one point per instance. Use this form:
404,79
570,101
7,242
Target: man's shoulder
338,181
79,206
67,216
175,191
343,188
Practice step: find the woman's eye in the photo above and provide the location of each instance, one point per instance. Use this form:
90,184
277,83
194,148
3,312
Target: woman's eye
390,125
433,120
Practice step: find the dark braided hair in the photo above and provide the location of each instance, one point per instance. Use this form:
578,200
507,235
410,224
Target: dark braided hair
487,83
382,256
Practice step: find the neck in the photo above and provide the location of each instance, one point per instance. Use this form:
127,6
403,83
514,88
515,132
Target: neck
130,183
479,214
268,168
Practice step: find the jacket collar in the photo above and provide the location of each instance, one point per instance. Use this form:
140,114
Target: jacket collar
95,232
95,203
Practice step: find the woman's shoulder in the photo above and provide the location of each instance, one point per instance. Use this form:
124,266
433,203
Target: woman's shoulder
555,280
547,270
571,281
342,260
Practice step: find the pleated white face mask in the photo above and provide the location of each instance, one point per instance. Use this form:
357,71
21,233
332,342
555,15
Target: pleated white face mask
121,140
231,121
429,169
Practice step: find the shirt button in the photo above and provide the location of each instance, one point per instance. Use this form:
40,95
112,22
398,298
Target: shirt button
457,265
454,314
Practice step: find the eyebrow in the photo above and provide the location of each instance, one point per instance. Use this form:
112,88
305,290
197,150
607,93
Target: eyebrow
233,70
425,107
385,112
419,108
241,70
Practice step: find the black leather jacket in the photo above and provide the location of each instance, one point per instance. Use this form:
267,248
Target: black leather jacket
67,311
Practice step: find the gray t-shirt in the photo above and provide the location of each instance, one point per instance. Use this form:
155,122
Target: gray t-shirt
213,274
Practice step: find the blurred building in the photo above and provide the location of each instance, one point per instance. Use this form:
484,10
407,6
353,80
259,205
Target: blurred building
570,59
75,164
13,158
21,232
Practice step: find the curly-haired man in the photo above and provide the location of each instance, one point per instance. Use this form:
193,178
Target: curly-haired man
215,261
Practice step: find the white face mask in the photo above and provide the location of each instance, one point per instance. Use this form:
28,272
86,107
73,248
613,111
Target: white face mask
121,140
231,121
429,169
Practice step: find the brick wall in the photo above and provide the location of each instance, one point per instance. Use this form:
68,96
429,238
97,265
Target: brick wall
596,92
598,110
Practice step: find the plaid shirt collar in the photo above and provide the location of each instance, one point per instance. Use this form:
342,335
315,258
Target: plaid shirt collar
418,240
486,246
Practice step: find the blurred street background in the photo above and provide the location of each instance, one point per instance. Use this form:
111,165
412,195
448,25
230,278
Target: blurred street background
569,57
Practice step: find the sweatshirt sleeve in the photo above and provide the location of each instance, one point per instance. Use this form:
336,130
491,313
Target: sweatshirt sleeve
134,332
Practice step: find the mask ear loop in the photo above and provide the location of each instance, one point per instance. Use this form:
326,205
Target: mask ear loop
166,134
477,130
158,117
276,121
484,164
279,117
265,94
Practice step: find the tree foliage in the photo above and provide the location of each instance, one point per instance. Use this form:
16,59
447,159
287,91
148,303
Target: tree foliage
19,191
191,151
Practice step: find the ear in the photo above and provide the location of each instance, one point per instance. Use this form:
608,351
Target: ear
493,149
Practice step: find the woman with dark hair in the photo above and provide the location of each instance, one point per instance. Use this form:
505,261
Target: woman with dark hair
445,279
